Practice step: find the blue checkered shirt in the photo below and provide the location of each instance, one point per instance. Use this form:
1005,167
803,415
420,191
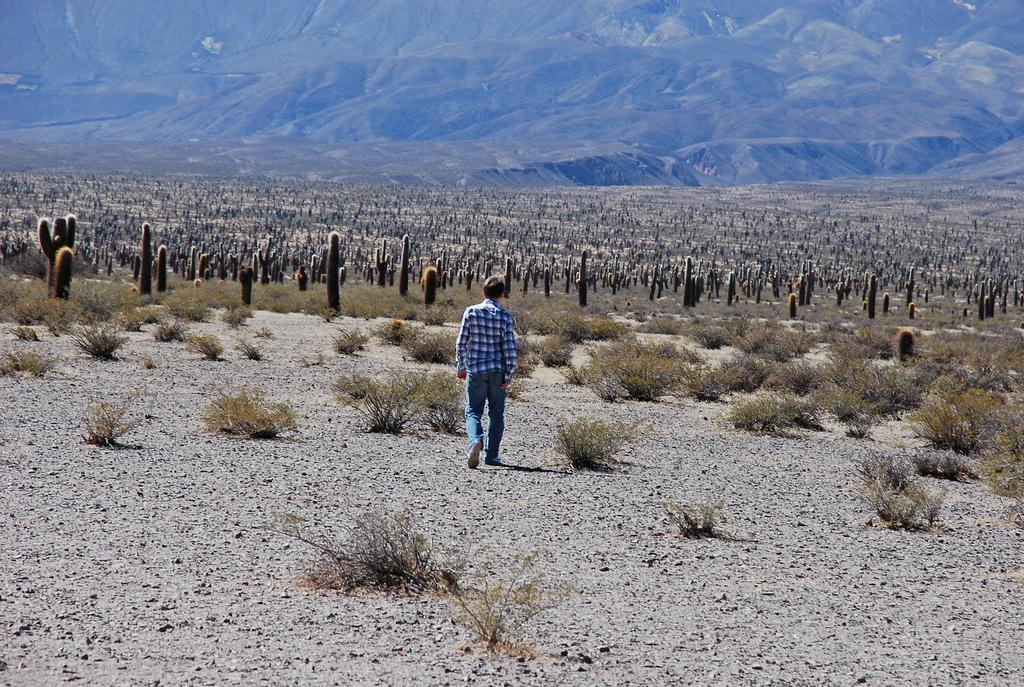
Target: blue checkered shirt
487,341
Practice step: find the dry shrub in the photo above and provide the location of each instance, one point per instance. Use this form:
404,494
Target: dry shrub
959,422
441,399
715,335
349,342
592,444
249,350
100,341
1015,516
188,305
434,316
388,402
641,371
555,351
394,332
740,373
172,330
367,302
700,521
264,332
436,348
246,412
497,607
945,465
866,343
26,363
576,376
96,302
106,422
236,316
572,324
148,363
25,334
382,552
1004,470
898,498
962,361
773,342
775,413
884,391
797,377
206,345
849,409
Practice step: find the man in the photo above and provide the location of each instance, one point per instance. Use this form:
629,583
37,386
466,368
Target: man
486,357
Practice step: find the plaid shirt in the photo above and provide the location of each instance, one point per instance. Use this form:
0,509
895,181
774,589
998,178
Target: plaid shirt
487,341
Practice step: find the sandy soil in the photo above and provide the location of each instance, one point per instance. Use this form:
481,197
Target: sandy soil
146,565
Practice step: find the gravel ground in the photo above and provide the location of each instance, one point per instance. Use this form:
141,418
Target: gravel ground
147,564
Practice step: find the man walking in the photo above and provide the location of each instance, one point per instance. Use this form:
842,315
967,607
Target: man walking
486,357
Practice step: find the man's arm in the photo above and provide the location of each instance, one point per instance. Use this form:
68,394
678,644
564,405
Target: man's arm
510,352
462,346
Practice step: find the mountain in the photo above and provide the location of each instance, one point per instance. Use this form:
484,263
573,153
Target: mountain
595,91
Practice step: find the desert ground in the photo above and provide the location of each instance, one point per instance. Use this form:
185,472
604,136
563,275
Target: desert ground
746,490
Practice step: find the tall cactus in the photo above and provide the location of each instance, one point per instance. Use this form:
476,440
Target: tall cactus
161,269
63,236
62,272
582,283
333,260
688,299
792,306
403,276
146,266
872,296
429,285
245,280
302,277
508,277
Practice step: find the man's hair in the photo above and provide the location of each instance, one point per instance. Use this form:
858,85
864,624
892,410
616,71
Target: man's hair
494,287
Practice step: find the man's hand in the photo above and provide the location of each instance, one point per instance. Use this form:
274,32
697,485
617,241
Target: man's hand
461,374
504,385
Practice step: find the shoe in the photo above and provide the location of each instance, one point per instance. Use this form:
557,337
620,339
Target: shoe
493,461
474,454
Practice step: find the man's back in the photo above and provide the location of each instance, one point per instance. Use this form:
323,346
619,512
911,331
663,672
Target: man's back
487,340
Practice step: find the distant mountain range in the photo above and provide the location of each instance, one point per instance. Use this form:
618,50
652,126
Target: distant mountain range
526,91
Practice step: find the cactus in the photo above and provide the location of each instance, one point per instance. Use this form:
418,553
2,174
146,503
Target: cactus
731,293
508,277
905,342
62,272
885,303
872,296
910,287
263,257
63,236
146,262
333,260
245,279
688,299
302,278
429,284
911,309
792,306
161,269
382,262
581,284
193,263
403,275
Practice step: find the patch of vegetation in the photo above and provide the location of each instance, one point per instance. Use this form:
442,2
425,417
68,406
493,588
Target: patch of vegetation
775,343
775,413
700,521
107,421
382,552
27,363
394,332
641,371
436,348
236,316
593,444
897,497
25,334
555,351
958,421
171,330
945,465
206,345
246,412
249,350
350,342
441,402
389,402
99,341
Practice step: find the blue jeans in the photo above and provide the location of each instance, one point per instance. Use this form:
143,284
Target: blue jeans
481,388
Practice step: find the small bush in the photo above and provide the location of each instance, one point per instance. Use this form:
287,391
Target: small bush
248,350
106,422
382,552
851,410
148,363
27,363
206,345
576,376
884,391
264,332
741,373
173,330
716,335
867,343
701,521
945,465
246,413
349,342
394,332
775,413
1015,516
389,402
637,370
1004,470
498,608
430,347
797,377
440,397
958,422
188,305
434,316
99,341
772,342
25,334
897,497
555,351
670,326
236,317
591,444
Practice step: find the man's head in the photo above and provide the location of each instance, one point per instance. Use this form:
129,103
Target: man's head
494,288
